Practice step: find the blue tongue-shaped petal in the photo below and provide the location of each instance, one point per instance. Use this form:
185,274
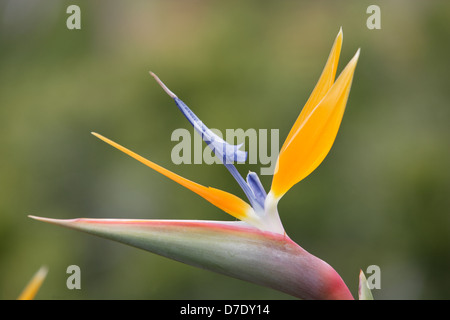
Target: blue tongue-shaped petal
226,152
257,188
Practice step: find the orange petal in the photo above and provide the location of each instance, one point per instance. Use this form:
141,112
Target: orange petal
314,135
324,84
33,286
223,200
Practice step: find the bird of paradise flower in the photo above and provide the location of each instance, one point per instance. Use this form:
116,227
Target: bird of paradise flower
255,249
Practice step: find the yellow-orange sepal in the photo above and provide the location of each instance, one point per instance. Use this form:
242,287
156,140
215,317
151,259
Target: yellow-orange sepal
315,130
33,286
225,201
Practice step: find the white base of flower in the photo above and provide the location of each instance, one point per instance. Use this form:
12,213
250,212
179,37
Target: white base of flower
267,219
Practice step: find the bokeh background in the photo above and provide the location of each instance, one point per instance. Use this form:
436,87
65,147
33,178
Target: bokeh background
381,197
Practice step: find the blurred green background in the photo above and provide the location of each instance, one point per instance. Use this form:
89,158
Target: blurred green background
381,197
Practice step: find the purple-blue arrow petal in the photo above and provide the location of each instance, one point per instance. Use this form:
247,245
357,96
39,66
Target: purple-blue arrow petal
226,152
257,188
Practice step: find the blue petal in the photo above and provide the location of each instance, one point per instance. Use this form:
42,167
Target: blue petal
257,188
226,152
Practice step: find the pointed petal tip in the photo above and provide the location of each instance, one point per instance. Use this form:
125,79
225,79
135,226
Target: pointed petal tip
351,66
170,93
37,218
49,220
357,54
58,222
34,285
104,139
355,58
340,33
347,73
338,43
364,292
43,269
42,272
361,275
101,137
